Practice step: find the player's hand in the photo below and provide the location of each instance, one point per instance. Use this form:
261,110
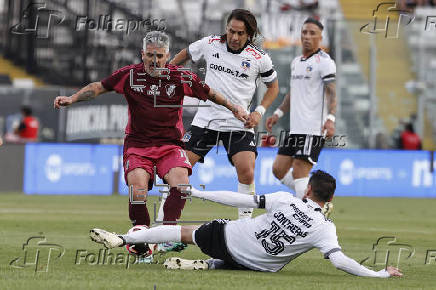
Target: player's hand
253,120
240,113
270,122
394,272
329,127
62,101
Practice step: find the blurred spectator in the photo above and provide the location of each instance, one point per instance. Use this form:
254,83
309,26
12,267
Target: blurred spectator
27,129
409,139
1,141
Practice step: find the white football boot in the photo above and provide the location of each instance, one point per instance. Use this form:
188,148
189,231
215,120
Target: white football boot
109,240
175,263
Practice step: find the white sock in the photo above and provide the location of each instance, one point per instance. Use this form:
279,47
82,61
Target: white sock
288,179
245,189
160,213
159,234
300,186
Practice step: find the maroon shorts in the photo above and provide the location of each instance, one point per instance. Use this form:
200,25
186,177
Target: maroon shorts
163,157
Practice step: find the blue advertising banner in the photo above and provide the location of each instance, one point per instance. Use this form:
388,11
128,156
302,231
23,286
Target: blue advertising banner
69,168
89,169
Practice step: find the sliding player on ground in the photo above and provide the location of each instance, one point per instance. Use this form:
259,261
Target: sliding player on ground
290,227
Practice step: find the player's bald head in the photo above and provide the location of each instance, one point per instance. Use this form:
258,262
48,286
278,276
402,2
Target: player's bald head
157,39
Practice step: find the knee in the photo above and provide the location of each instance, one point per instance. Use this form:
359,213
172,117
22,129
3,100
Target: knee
177,176
278,172
246,175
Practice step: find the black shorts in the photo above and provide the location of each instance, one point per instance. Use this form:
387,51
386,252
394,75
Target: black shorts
306,147
211,240
201,140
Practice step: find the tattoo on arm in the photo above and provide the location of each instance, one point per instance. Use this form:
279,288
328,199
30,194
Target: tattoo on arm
89,92
85,96
330,91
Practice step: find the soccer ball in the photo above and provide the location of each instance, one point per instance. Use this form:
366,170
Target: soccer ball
142,249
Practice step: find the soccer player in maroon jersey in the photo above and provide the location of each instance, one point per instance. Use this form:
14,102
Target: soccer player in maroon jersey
154,91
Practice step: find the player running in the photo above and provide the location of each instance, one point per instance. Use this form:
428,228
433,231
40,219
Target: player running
233,66
289,228
311,117
154,92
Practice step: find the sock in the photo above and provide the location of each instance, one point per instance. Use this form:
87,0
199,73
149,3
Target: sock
160,214
159,234
300,186
245,189
288,180
173,206
138,214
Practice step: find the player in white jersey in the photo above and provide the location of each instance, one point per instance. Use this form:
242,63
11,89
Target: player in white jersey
289,228
233,66
312,105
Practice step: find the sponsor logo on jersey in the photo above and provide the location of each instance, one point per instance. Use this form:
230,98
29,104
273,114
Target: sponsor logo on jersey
216,55
234,73
154,90
170,90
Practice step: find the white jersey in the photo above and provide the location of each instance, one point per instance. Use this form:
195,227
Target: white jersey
289,228
233,75
308,105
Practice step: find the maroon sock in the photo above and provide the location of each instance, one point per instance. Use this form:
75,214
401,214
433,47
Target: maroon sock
138,214
173,206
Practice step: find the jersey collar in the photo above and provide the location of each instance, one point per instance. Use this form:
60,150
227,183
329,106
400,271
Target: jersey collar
304,59
312,204
236,51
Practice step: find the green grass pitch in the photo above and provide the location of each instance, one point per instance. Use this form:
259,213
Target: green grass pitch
66,220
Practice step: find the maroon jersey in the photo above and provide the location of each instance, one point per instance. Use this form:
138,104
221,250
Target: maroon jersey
155,104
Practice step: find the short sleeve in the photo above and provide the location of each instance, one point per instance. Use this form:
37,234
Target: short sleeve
197,89
272,200
267,72
326,240
116,80
197,49
328,70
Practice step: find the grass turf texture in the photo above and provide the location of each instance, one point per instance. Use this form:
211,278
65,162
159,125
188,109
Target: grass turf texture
66,220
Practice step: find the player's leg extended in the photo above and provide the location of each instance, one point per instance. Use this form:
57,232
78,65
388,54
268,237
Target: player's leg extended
138,213
282,170
155,235
244,162
301,170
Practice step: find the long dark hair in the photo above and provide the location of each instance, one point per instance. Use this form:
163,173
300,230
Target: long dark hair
249,20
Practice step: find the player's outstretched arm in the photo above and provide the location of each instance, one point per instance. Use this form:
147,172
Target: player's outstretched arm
269,97
281,110
231,198
346,264
219,99
84,94
181,58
